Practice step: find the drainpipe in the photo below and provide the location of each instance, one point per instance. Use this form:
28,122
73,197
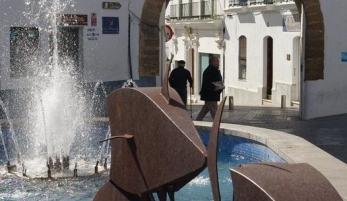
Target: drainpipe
302,105
162,43
129,45
223,46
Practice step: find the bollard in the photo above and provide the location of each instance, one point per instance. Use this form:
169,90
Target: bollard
75,170
49,174
231,102
8,165
105,164
283,101
96,168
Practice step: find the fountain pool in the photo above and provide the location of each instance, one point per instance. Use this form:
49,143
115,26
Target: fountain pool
232,152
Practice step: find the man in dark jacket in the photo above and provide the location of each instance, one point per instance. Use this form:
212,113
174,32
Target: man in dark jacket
178,80
210,93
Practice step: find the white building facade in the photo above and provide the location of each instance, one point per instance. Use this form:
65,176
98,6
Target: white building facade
262,48
327,96
103,39
93,46
258,44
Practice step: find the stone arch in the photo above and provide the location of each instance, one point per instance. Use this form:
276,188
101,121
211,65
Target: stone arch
314,39
149,44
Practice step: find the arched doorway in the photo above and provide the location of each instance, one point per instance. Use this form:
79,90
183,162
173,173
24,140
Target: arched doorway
269,66
313,42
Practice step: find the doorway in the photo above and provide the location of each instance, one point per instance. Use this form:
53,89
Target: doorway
68,47
269,67
192,65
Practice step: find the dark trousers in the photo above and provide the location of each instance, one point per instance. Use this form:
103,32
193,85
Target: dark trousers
209,106
182,91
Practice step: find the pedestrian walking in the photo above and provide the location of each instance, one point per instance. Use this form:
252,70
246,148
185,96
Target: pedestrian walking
178,80
212,87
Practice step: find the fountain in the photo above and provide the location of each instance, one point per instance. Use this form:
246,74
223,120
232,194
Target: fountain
42,154
41,142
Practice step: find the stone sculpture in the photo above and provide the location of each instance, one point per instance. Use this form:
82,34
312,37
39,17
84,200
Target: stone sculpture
281,181
155,145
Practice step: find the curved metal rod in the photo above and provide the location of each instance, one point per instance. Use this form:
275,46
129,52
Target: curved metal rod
212,152
126,136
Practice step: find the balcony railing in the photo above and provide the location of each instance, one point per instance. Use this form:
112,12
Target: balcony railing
190,9
202,9
255,2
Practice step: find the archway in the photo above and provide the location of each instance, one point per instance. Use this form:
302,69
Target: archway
149,44
314,38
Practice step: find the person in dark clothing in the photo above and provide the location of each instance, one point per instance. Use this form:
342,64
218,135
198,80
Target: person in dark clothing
210,93
178,80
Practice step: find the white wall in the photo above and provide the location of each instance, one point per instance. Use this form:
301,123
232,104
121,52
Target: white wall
329,96
107,58
256,26
104,59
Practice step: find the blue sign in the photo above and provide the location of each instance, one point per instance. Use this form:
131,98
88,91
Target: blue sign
110,25
344,56
12,36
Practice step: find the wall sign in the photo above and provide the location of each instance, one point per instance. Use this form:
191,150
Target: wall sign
343,56
92,34
93,20
72,19
168,33
111,5
110,25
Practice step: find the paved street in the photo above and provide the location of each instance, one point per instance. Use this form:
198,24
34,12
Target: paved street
328,133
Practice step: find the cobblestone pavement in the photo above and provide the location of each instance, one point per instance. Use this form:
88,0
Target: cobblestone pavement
327,133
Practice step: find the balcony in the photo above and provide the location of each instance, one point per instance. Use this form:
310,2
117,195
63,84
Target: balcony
244,6
205,14
208,9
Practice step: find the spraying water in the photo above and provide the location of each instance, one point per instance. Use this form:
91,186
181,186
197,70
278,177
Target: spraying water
13,135
57,105
4,145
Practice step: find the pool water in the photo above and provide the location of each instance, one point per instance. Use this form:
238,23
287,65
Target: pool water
78,189
199,189
73,189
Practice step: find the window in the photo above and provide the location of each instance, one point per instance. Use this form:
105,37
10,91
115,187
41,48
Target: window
242,57
24,44
237,2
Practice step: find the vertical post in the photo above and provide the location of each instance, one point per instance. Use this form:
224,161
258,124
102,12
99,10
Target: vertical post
96,168
231,102
105,164
75,170
283,101
49,173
